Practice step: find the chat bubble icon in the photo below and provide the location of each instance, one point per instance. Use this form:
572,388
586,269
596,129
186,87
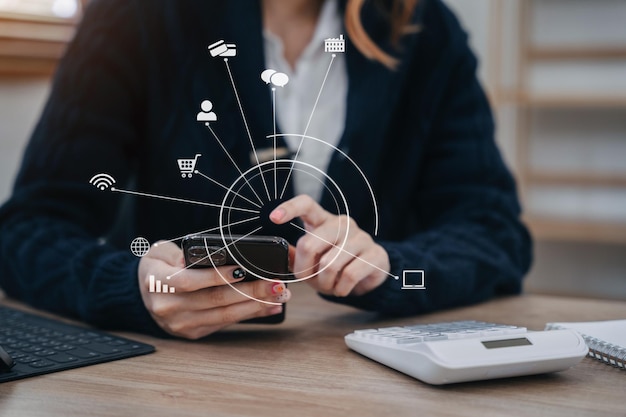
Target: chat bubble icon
279,79
267,75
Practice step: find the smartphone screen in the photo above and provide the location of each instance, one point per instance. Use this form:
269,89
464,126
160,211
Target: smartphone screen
261,257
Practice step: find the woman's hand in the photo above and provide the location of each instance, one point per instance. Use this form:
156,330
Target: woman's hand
203,303
359,267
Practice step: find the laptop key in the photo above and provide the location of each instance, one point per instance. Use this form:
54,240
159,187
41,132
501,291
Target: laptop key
82,353
42,363
62,358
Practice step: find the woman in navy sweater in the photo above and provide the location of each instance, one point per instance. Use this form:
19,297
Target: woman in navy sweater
401,110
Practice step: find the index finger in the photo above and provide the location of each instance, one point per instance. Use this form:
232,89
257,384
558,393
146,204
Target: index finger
301,206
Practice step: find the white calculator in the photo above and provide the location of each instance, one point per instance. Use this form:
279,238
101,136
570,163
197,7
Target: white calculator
460,351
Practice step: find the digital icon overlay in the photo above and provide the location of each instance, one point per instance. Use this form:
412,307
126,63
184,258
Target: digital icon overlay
139,246
278,79
157,286
206,114
188,166
102,181
259,187
221,48
335,44
413,279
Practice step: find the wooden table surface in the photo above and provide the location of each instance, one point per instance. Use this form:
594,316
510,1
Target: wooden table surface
303,368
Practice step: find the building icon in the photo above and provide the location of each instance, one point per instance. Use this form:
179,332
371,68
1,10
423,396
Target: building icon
335,44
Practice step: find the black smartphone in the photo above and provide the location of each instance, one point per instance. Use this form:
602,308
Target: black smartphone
260,256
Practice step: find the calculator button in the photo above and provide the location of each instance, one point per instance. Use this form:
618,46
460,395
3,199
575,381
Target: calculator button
434,336
407,340
382,337
455,335
395,329
365,331
492,332
515,330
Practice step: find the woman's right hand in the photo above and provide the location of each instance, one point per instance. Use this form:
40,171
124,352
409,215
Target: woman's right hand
203,303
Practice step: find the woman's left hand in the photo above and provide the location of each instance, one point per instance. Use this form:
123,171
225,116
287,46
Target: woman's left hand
338,269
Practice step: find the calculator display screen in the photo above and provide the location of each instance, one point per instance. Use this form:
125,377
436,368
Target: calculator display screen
495,344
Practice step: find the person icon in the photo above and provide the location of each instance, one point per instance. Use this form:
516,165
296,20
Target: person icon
206,115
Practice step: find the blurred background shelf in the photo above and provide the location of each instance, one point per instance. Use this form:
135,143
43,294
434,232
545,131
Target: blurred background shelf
565,100
576,52
32,43
555,74
587,179
555,230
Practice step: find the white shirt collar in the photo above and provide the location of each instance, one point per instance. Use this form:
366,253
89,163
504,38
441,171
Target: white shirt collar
295,101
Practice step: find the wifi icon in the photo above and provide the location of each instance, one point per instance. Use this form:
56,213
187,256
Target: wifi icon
102,181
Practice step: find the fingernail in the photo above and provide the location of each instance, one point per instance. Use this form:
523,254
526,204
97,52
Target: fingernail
284,297
277,215
239,273
275,310
278,288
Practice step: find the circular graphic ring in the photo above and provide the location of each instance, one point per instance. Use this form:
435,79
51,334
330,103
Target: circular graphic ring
226,239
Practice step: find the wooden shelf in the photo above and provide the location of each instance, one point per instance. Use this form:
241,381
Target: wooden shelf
573,101
47,30
585,179
560,100
576,53
549,229
32,45
23,17
526,101
31,49
27,66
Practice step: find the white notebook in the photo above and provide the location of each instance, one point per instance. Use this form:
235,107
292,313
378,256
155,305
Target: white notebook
606,339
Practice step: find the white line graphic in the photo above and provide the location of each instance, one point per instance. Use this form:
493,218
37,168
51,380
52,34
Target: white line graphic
274,122
209,257
232,161
343,250
345,155
181,200
307,124
213,229
226,188
245,122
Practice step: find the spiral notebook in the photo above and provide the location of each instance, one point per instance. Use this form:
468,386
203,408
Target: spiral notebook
606,339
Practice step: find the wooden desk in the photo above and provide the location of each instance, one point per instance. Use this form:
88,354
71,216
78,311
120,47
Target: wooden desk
303,368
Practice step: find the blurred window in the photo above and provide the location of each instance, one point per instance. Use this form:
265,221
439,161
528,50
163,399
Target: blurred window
64,9
34,34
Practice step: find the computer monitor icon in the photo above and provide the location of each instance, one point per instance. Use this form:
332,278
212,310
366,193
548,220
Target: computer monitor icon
413,280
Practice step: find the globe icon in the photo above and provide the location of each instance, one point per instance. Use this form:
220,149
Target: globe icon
140,246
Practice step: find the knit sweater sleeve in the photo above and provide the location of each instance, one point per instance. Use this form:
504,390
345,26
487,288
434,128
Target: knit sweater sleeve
52,247
470,241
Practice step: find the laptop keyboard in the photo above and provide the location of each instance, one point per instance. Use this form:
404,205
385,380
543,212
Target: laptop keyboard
40,345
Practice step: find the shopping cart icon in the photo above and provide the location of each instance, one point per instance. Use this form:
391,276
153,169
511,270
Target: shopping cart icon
187,166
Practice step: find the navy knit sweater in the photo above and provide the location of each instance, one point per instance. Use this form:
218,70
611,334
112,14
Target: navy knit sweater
124,102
